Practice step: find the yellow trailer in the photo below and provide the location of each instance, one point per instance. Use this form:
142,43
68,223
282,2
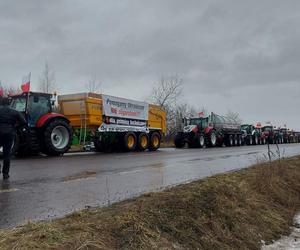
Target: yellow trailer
114,121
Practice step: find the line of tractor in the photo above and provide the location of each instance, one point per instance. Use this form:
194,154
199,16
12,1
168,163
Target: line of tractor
215,130
117,123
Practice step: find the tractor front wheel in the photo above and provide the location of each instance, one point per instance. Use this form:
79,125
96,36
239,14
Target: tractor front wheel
57,137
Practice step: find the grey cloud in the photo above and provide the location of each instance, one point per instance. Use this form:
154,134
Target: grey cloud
228,53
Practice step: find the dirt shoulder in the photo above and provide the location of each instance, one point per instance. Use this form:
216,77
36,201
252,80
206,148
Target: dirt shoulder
229,211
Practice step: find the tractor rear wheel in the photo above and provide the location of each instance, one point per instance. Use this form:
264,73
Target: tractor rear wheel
154,141
57,137
212,139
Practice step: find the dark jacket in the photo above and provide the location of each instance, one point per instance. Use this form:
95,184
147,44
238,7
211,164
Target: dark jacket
9,119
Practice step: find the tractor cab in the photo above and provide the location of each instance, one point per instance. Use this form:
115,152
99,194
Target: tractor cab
33,107
247,128
200,122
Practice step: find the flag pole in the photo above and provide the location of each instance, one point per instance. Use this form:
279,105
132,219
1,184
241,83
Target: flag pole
27,101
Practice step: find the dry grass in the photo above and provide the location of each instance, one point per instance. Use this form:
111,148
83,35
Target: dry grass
229,211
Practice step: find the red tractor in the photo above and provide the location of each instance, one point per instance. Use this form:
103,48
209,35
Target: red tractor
48,132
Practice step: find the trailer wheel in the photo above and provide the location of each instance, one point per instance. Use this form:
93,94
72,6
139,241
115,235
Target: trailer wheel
99,147
230,140
154,141
250,140
256,141
178,141
130,141
143,142
57,137
236,140
240,140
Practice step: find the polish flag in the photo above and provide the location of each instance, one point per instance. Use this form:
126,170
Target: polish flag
26,83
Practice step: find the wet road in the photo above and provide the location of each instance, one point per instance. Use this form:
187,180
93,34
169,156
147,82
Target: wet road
42,188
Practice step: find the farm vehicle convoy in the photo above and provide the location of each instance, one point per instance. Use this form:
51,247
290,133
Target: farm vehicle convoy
117,123
215,130
112,122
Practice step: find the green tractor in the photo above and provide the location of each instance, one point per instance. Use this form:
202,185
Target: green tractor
252,135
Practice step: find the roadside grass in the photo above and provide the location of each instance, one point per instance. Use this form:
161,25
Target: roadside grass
228,211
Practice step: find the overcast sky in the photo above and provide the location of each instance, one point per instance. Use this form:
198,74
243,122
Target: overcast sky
237,55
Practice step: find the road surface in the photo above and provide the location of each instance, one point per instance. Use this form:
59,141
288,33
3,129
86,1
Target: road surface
42,188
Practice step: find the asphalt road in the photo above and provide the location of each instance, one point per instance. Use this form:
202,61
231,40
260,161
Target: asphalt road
42,188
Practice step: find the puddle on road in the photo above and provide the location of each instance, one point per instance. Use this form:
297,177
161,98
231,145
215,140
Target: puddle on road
8,190
80,176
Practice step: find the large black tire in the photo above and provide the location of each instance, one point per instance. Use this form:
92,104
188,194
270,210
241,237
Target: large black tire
178,141
211,139
201,140
142,142
99,146
57,137
32,145
256,139
155,140
230,140
129,141
240,139
236,140
250,140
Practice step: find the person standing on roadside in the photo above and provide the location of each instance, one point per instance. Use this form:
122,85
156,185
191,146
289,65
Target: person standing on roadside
9,119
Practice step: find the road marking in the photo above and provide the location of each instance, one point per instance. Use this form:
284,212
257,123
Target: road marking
8,190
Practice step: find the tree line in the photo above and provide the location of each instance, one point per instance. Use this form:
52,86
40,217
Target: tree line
167,93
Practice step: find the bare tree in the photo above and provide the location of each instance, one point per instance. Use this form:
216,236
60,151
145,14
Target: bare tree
167,91
165,94
47,80
234,116
93,85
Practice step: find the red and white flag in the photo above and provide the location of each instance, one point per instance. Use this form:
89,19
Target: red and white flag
26,83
